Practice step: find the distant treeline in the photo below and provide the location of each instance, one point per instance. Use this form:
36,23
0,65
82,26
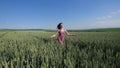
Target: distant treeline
98,30
78,30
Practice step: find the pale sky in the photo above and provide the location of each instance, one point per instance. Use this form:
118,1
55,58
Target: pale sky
46,14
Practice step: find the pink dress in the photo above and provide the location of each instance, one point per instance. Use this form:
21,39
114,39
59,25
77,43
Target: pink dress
61,36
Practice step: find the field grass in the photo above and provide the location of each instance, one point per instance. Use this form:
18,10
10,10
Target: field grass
34,49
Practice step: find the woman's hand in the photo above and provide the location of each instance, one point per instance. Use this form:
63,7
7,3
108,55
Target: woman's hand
53,36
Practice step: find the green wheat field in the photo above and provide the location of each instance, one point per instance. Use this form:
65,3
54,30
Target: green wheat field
34,49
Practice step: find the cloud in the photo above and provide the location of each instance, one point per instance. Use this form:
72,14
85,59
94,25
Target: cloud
109,16
109,20
113,13
104,17
98,18
106,21
118,11
104,24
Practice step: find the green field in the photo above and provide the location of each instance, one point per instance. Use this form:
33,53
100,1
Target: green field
34,49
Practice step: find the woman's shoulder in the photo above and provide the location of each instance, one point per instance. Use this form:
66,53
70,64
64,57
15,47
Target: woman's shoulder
65,30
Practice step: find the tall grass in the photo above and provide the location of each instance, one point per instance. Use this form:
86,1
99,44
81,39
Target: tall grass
34,49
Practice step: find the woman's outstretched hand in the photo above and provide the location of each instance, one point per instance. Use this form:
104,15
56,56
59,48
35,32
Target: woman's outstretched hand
52,36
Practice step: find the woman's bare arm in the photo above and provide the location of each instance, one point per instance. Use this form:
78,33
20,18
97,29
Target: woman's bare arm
69,33
54,35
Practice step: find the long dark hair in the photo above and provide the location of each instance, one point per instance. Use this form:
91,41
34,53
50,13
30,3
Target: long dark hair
59,26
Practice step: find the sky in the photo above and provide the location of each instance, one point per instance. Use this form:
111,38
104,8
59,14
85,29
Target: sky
46,14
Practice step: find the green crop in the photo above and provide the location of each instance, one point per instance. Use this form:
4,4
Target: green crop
34,49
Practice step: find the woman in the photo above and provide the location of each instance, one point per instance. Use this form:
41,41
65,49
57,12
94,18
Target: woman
61,33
